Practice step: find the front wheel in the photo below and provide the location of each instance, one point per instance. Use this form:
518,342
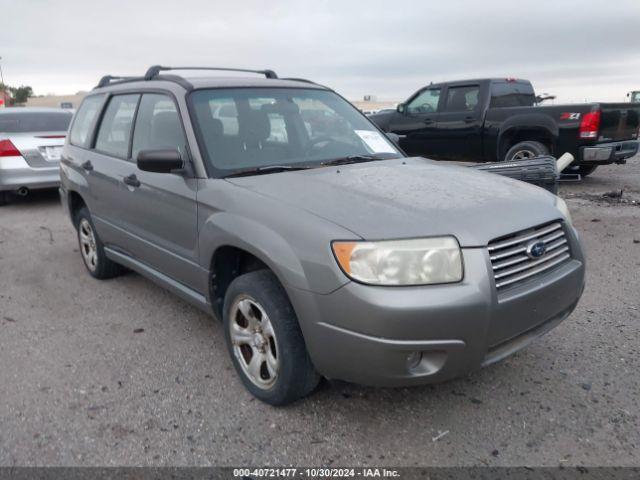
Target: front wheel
265,341
526,151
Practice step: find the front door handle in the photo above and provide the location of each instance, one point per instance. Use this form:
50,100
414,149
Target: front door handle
88,166
427,121
468,119
132,180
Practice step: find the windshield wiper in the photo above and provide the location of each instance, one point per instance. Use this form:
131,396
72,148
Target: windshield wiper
267,169
352,159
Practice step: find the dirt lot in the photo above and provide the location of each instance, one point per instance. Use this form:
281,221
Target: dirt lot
79,386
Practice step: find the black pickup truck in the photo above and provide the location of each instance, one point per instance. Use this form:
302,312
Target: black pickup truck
499,119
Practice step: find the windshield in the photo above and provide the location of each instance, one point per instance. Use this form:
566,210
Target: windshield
21,122
635,97
243,129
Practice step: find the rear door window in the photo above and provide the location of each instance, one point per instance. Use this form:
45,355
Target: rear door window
157,126
462,99
85,119
115,128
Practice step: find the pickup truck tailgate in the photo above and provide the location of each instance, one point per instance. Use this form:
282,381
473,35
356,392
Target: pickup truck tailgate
619,121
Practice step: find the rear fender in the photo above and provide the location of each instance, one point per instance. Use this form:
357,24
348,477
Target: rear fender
538,123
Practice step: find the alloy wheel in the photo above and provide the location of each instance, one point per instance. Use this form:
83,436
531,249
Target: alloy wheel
523,155
88,246
254,342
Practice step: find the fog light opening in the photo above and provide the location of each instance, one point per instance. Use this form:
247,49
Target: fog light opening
413,360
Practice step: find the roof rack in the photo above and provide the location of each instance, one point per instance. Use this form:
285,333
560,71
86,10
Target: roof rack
108,79
155,70
295,79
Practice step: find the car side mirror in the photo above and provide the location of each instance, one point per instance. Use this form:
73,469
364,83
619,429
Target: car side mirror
160,161
401,108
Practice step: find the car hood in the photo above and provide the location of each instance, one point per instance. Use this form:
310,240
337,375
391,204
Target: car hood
412,197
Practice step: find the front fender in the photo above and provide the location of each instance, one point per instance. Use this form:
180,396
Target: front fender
298,259
227,229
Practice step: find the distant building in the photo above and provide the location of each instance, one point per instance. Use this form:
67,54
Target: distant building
60,101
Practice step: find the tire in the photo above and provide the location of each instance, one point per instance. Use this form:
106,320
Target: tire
526,150
259,323
4,198
92,249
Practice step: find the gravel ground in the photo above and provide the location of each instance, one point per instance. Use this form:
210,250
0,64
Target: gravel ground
123,373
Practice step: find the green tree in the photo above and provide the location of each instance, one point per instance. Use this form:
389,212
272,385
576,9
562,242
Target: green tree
21,94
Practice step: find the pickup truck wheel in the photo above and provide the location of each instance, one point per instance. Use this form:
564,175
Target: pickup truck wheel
265,341
526,150
92,249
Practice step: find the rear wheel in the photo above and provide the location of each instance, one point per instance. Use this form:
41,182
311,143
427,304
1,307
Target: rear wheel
92,249
265,341
526,150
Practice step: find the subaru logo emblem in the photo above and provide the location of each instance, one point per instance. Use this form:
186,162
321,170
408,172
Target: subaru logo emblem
536,249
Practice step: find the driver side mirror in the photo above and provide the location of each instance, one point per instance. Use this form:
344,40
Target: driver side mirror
401,108
159,161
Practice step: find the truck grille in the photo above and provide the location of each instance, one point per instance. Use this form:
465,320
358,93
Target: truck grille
512,258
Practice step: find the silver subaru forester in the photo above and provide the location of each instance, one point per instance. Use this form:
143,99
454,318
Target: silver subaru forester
277,206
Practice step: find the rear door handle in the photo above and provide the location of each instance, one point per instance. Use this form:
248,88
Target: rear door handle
88,166
468,119
132,180
427,121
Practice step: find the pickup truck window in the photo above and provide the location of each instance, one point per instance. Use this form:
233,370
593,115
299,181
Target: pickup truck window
462,99
425,102
512,94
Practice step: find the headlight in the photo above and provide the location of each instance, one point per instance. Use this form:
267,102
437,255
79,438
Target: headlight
562,206
401,262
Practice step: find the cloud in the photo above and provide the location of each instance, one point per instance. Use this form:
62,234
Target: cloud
578,49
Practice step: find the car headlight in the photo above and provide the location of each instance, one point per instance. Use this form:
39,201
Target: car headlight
401,262
562,206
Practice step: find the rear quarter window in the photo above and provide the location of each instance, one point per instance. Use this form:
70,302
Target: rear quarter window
84,120
512,94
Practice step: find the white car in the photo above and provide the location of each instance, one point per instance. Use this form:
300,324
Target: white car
31,141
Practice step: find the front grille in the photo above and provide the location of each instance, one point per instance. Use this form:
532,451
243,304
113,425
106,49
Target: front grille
511,261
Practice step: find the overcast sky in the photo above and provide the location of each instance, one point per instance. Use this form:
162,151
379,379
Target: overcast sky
583,49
